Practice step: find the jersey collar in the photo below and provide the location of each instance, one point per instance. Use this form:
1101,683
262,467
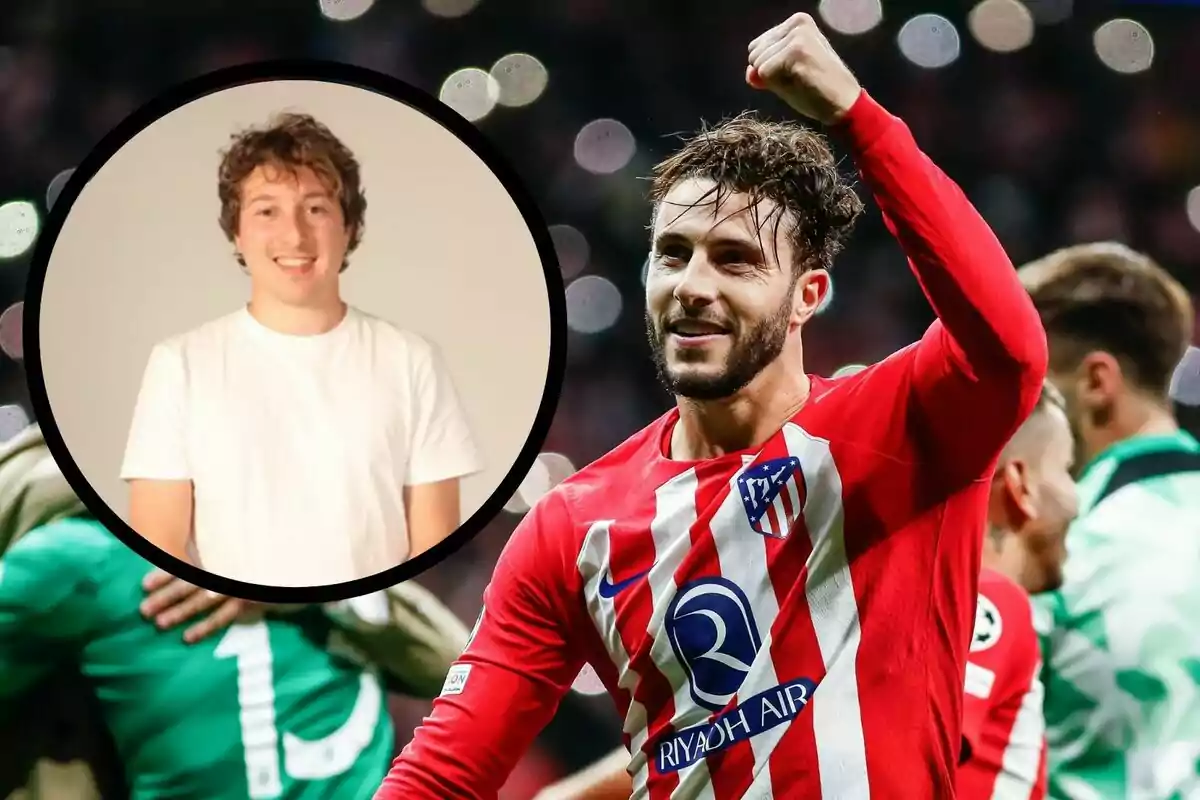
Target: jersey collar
1139,445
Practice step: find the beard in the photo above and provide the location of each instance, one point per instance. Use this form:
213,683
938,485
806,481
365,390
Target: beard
749,355
1047,550
1075,416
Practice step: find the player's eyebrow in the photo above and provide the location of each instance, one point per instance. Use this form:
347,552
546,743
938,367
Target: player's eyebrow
668,238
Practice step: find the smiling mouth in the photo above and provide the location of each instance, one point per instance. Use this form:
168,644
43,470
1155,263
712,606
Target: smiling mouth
694,330
296,263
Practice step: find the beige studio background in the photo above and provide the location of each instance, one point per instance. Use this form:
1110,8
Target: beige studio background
445,252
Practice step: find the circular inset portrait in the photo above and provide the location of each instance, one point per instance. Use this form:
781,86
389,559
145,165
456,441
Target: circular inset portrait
295,332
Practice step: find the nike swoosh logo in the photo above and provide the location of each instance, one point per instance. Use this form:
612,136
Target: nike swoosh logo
610,590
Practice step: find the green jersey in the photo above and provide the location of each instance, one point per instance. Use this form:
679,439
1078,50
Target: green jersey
262,711
1121,638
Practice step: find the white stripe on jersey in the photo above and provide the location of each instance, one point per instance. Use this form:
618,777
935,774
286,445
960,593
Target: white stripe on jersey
594,560
674,516
675,511
1023,753
837,714
742,555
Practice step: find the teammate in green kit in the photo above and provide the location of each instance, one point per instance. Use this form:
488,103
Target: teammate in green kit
275,706
1121,638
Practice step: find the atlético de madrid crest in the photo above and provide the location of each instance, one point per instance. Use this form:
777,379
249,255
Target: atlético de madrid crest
773,495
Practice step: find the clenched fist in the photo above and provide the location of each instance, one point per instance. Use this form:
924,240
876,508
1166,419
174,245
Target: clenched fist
796,62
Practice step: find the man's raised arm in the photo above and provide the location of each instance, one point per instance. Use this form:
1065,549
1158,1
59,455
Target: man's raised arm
986,354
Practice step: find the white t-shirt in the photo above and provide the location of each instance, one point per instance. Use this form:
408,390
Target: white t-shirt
298,447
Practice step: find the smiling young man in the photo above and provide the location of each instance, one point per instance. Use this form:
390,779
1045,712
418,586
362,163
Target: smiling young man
775,581
296,441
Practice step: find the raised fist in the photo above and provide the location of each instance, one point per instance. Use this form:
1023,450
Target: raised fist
796,62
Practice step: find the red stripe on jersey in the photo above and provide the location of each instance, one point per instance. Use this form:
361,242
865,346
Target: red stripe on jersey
792,662
776,523
786,558
628,548
634,610
658,693
727,780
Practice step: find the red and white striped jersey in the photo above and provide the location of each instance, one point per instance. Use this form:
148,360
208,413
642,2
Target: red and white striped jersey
1002,713
791,621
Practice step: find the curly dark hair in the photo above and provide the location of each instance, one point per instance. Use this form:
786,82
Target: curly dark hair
784,162
292,141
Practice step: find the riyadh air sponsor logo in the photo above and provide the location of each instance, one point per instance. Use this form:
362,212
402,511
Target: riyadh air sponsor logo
748,719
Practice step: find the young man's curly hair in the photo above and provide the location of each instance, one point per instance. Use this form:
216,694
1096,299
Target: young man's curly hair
291,141
783,162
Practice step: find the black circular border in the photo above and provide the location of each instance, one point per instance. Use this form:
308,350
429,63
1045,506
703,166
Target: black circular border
327,72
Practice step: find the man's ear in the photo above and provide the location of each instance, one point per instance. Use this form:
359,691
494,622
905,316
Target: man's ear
1013,495
808,297
1099,379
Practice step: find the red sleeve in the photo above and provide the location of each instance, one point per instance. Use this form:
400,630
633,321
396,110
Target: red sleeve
981,364
1003,656
520,661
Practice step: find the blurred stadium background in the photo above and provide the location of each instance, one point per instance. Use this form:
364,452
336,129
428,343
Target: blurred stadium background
1064,122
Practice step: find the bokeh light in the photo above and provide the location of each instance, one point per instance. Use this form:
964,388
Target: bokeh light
1124,46
471,92
1003,26
536,483
12,335
548,470
19,224
558,466
345,10
1193,207
604,146
520,79
593,304
847,370
572,249
57,184
449,9
930,41
851,17
516,504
